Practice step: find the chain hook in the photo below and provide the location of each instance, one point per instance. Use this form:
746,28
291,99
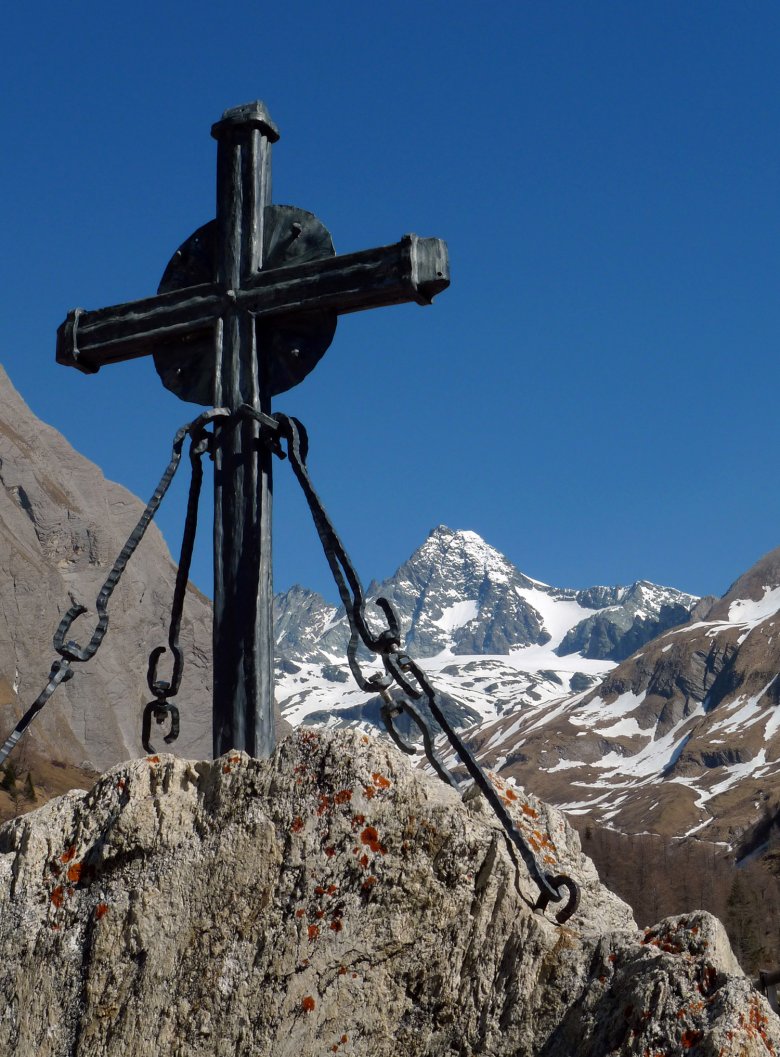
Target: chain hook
559,882
160,709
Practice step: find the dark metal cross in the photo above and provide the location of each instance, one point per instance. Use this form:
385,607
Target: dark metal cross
245,309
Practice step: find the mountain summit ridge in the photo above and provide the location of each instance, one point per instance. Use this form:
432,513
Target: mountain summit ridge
478,624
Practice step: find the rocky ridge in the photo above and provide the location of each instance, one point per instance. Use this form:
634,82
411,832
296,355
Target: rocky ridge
371,910
682,737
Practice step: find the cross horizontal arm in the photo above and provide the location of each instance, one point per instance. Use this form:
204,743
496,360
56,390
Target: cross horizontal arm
414,269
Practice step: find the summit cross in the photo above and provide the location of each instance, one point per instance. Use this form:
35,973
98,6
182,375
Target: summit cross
245,309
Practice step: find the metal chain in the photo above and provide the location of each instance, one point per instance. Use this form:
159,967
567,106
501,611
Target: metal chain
387,643
163,690
70,651
399,667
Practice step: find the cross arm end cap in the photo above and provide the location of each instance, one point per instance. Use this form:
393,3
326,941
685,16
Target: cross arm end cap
67,352
251,115
430,267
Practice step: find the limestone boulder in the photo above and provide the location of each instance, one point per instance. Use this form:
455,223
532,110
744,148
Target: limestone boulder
328,900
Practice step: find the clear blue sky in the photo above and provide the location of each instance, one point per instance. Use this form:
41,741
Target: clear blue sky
596,392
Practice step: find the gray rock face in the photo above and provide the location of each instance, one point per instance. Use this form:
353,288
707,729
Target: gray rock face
627,619
333,900
301,617
61,526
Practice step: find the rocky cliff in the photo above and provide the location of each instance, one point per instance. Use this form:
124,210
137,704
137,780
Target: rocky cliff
62,524
334,900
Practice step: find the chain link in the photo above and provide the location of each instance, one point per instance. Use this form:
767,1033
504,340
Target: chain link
70,651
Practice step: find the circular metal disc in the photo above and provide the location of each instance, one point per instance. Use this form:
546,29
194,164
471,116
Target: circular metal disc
289,347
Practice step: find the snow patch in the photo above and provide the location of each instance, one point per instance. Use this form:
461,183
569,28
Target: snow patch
457,615
747,610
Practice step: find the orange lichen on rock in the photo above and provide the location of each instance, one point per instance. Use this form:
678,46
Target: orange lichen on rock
307,1004
337,925
226,768
343,796
380,780
297,824
314,931
530,811
324,804
101,910
300,912
369,792
370,837
74,872
153,759
691,1038
58,896
330,852
69,854
757,1024
369,882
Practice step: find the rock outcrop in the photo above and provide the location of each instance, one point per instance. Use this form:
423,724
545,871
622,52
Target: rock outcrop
334,900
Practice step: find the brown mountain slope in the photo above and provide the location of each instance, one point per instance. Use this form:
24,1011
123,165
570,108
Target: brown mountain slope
682,737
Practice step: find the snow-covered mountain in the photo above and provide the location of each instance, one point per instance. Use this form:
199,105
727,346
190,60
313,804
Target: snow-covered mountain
492,638
641,706
683,737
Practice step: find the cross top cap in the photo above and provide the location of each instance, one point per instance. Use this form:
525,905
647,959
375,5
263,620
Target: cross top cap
248,115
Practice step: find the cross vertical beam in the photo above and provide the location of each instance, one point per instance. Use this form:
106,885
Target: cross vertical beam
243,585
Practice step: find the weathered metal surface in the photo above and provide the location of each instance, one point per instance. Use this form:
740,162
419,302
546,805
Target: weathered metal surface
243,590
412,270
291,345
767,983
245,309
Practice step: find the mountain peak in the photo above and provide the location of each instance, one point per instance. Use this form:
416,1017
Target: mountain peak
467,548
